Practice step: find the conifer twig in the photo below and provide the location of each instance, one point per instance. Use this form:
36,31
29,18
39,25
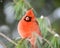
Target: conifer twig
41,38
10,40
48,42
52,32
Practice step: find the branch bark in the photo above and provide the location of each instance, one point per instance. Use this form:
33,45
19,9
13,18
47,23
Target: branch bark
10,40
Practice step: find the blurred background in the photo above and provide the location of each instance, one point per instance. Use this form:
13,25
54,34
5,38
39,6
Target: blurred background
8,21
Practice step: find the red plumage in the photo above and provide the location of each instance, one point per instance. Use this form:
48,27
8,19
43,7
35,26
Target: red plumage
28,25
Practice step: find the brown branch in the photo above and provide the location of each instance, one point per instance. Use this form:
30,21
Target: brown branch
48,42
41,38
52,31
10,40
1,43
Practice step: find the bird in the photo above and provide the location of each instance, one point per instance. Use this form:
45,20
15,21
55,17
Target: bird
28,25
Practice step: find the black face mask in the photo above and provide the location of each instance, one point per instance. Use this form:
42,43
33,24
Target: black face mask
27,19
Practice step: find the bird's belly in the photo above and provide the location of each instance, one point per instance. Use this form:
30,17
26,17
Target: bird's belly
25,34
27,30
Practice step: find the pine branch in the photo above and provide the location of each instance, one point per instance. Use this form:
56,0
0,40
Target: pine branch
10,40
1,43
42,38
53,32
48,42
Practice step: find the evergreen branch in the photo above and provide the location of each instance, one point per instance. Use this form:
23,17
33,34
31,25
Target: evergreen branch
30,6
3,44
52,32
41,38
27,3
49,29
10,40
48,42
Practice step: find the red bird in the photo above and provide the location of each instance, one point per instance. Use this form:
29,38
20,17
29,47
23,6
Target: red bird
28,25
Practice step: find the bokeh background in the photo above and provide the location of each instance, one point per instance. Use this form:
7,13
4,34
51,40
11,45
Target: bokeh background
8,21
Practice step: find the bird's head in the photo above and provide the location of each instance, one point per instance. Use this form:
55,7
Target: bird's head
29,16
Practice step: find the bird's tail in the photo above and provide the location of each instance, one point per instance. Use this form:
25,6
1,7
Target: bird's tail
35,46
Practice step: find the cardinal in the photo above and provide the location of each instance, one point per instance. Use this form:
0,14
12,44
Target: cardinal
27,26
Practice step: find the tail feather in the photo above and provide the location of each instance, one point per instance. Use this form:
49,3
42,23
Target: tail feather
35,46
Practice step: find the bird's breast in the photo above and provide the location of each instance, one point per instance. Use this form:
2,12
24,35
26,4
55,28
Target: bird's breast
26,29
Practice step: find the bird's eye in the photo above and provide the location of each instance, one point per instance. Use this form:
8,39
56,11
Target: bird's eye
27,18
